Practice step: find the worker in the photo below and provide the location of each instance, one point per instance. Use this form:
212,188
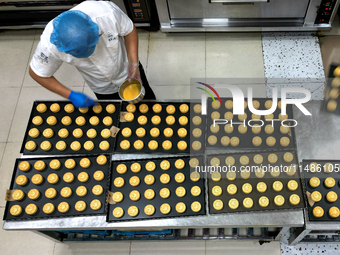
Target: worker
100,41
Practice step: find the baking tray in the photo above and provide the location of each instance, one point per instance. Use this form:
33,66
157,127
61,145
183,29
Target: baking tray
246,139
68,140
321,188
134,125
157,186
327,91
253,180
42,200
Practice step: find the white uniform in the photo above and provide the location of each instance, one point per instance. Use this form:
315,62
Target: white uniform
106,69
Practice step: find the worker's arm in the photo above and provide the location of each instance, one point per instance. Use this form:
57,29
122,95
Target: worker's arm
52,84
131,44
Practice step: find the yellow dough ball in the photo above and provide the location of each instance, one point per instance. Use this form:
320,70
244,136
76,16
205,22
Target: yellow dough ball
41,108
55,164
182,132
34,133
150,166
63,207
131,108
233,203
154,132
37,120
143,108
104,145
80,206
63,133
97,108
218,205
24,166
83,109
197,108
157,108
48,208
83,177
50,193
197,120
196,145
271,141
332,105
53,178
196,206
269,129
170,109
180,207
140,132
167,145
77,133
68,177
31,209
212,139
149,194
182,145
164,193
16,210
18,195
138,144
30,145
318,211
134,181
184,108
94,120
80,121
156,120
39,165
263,201
136,167
165,165
168,132
91,133
97,190
125,145
60,146
66,192
81,191
142,120
55,107
66,120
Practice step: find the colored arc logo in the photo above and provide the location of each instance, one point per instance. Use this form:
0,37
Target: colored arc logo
208,92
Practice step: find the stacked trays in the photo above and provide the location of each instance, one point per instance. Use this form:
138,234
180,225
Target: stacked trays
322,179
96,140
246,140
29,169
150,136
332,99
223,195
161,195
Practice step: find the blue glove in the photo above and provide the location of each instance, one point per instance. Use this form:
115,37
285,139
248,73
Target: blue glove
81,100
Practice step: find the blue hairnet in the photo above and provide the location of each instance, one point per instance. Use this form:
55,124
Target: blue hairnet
75,33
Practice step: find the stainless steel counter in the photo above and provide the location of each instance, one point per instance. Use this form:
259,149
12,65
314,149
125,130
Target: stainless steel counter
316,138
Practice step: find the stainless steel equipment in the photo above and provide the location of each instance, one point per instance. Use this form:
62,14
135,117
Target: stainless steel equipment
246,15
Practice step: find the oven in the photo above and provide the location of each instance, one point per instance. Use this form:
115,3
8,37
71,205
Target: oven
246,15
18,14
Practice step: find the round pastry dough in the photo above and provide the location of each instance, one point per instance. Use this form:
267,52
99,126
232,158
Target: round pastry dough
118,212
242,117
66,120
70,163
143,108
48,133
131,108
135,167
231,175
104,145
258,159
80,121
95,204
24,166
283,117
181,207
334,93
179,177
272,158
263,201
149,210
31,209
150,166
234,141
334,212
232,189
91,133
69,108
134,195
97,108
138,144
165,178
261,187
314,182
30,145
101,160
215,162
328,168
107,121
34,133
216,104
80,206
60,145
244,160
83,177
168,132
230,161
105,133
83,109
275,171
247,188
154,132
270,141
216,191
157,108
111,108
15,210
336,71
279,200
228,116
55,107
316,196
183,120
288,157
259,172
245,174
256,129
269,129
196,206
134,181
331,196
94,120
197,120
149,179
68,177
149,194
180,192
53,178
170,109
164,193
50,193
48,208
66,192
184,108
63,207
75,146
97,190
294,199
38,165
318,211
81,191
41,108
37,120
225,140
179,164
37,179
140,132
242,129
156,120
214,128
233,203
197,108
292,185
182,132
55,164
212,140
284,141
277,186
165,208
46,145
335,82
228,104
165,165
98,175
142,120
248,202
77,133
85,163
167,145
18,195
125,145
216,176
218,205
196,145
195,176
33,194
332,105
329,182
118,197
119,182
195,191
284,130
170,120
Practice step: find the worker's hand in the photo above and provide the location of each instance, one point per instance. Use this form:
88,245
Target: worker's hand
133,71
81,100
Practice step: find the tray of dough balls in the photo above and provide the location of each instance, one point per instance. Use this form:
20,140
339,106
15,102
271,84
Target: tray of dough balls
332,91
322,189
254,182
160,127
157,188
58,128
271,135
58,187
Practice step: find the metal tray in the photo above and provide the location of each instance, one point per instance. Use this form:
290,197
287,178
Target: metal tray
253,180
42,200
134,125
68,140
157,186
327,91
321,188
246,139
